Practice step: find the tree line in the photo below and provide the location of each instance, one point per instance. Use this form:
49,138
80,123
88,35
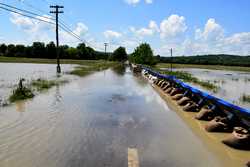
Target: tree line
49,51
219,59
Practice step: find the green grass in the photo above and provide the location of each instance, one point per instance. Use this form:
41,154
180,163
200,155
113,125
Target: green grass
211,67
42,84
187,77
245,98
97,66
21,94
46,61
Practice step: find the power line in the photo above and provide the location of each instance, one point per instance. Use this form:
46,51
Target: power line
61,24
26,11
36,18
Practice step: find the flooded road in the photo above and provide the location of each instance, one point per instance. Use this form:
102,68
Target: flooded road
232,84
93,122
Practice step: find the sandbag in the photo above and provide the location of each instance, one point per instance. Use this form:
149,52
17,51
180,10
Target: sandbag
156,81
169,90
218,124
248,164
191,107
205,114
239,139
174,91
163,84
183,101
177,96
159,83
166,87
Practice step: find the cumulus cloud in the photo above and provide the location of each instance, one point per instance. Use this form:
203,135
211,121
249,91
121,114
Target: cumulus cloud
109,34
173,26
36,29
212,31
148,31
42,31
80,30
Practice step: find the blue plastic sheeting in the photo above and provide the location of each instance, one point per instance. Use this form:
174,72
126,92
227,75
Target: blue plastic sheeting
206,96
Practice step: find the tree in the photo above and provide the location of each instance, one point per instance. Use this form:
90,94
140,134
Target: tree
20,51
119,54
11,50
72,53
3,49
143,54
38,49
51,50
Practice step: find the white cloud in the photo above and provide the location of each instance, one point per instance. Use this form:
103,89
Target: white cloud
173,26
81,29
37,30
149,1
109,34
132,2
212,31
135,2
149,31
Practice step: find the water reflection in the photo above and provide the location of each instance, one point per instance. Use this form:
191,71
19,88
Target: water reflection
119,69
92,122
20,106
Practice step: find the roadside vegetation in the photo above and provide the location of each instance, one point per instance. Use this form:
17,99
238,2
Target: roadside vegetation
245,98
28,90
43,84
21,92
187,77
143,54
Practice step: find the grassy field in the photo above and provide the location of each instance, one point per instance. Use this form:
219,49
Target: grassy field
211,67
46,61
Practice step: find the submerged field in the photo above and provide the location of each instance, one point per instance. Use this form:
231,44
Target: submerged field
211,67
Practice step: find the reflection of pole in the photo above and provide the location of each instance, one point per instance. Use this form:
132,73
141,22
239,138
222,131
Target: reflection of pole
171,65
57,38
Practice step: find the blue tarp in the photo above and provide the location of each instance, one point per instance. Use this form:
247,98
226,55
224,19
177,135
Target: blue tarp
207,96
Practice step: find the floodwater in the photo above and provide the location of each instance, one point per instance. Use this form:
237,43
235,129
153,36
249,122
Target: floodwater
232,84
93,121
10,73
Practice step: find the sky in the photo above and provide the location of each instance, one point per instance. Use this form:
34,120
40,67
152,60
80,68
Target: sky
190,27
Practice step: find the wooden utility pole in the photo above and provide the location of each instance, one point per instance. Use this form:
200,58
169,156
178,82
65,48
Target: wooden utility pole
171,65
57,7
105,45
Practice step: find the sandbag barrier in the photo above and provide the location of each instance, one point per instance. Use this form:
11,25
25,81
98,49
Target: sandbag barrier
222,116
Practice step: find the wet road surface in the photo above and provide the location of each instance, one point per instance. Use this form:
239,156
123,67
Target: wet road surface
93,122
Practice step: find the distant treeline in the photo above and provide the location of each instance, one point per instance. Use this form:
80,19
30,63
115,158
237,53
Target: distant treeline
42,50
221,59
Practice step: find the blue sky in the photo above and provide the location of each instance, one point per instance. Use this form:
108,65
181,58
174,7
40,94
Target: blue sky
190,27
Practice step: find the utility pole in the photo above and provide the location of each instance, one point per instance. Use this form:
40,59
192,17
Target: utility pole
57,7
105,45
171,65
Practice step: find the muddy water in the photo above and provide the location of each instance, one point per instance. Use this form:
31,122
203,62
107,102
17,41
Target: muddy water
232,84
10,73
92,122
